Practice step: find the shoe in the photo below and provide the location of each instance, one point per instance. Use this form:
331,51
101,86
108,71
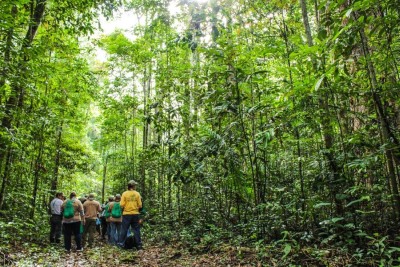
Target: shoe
79,250
67,251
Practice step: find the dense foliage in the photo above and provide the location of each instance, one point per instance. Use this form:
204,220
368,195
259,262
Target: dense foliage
265,123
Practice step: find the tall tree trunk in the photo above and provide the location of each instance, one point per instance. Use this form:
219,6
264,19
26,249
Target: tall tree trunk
8,48
392,147
36,175
16,95
103,186
6,176
133,150
57,158
326,126
296,130
146,87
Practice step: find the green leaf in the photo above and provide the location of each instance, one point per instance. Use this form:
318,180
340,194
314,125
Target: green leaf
348,13
322,204
337,219
368,198
286,250
319,82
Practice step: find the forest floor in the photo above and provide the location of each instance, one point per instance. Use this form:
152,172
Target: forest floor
104,255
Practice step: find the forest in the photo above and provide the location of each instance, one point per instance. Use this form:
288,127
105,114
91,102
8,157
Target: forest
261,133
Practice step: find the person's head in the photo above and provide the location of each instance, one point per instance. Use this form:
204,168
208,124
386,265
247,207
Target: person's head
117,197
91,196
132,184
59,195
82,199
72,195
110,199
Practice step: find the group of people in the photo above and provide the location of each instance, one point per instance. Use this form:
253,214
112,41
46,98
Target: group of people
119,215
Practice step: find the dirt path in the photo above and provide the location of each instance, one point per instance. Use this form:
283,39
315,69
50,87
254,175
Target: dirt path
104,255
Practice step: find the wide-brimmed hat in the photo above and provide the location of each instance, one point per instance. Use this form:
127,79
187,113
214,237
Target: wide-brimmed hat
91,196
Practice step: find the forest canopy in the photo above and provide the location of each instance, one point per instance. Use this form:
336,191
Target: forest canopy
268,124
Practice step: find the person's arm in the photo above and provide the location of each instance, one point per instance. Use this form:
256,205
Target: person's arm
81,212
98,207
110,206
123,201
62,207
139,202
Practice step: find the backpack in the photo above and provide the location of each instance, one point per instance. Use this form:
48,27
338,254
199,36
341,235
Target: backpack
130,242
69,211
106,212
116,210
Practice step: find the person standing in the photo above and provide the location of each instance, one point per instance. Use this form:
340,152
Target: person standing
103,221
131,202
91,207
115,220
107,216
56,218
72,210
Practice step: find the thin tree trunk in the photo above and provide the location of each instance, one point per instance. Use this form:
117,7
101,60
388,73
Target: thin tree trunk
8,48
327,131
57,158
36,176
6,175
103,187
392,151
296,130
145,132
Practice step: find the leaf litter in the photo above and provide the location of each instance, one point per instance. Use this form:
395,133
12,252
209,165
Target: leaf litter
104,255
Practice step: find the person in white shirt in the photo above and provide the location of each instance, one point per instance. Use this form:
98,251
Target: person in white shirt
56,218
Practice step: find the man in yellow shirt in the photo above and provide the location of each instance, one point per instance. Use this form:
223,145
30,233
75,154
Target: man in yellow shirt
131,202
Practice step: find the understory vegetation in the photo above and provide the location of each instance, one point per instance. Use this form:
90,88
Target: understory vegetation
262,128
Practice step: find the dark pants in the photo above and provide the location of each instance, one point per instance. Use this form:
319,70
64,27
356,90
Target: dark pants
69,230
98,226
89,231
109,232
103,227
133,222
55,228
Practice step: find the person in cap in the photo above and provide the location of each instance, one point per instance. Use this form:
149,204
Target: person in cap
83,199
115,219
107,216
72,224
131,202
91,207
56,218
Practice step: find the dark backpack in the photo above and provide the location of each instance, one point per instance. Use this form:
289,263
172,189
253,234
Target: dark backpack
69,211
129,241
116,210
